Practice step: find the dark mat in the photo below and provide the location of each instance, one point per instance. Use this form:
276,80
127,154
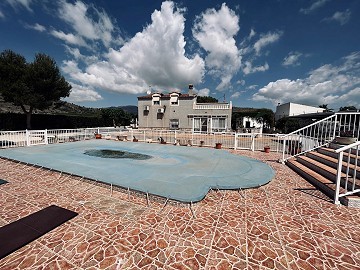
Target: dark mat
2,182
21,232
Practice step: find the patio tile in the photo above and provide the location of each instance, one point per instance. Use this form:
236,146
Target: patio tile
230,243
31,256
188,255
286,224
302,250
339,253
198,232
157,245
220,260
265,254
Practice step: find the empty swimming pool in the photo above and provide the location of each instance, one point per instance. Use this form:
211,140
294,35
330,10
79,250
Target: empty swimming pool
180,173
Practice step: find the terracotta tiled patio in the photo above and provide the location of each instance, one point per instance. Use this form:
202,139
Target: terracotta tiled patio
286,224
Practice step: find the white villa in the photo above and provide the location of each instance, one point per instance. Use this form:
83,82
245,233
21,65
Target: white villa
181,111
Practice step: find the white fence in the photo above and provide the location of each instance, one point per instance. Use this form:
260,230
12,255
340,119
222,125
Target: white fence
248,141
321,133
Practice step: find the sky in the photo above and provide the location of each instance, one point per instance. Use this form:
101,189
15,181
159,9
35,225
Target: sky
255,53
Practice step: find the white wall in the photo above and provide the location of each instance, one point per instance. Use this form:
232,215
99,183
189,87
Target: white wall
293,109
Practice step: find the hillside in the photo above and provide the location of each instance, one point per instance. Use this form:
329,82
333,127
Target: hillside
63,107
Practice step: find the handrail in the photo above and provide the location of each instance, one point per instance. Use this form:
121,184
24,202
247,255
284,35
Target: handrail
320,133
315,123
346,147
349,190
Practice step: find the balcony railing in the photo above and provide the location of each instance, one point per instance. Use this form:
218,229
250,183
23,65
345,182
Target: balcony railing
212,106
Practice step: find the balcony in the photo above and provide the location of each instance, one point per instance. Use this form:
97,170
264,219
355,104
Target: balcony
212,106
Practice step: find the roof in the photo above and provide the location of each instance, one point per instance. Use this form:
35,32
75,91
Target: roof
167,96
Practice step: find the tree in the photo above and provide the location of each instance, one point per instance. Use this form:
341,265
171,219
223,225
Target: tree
35,85
115,116
325,106
348,109
206,99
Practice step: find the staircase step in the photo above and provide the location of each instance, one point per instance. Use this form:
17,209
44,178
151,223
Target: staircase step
333,162
321,182
326,171
319,167
331,153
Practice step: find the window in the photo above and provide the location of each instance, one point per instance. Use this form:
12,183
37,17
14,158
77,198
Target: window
174,123
174,99
218,124
156,99
200,124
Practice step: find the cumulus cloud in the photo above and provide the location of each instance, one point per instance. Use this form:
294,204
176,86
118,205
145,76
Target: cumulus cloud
266,40
155,56
235,95
248,68
329,84
20,3
69,38
98,27
340,17
81,93
215,31
292,59
314,6
202,92
36,27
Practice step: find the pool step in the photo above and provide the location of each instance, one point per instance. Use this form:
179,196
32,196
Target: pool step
320,168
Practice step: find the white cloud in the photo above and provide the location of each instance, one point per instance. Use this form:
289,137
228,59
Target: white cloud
2,16
69,38
340,17
266,40
328,84
155,56
23,3
248,68
97,27
215,32
235,95
252,33
292,59
202,92
252,87
241,82
80,93
317,4
36,26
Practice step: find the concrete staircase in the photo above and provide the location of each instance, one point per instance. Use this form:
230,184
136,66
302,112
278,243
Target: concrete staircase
319,167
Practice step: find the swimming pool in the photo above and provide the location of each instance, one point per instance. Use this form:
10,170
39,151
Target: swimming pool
176,172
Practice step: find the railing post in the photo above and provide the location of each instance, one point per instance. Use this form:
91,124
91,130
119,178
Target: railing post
252,142
235,141
46,137
27,135
338,178
335,124
284,149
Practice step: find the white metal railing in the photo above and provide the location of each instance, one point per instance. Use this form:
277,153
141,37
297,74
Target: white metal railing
350,183
212,106
320,133
229,140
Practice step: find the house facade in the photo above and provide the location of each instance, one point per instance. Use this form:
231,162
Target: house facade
293,109
181,111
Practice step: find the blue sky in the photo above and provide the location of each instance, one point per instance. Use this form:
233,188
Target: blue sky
255,53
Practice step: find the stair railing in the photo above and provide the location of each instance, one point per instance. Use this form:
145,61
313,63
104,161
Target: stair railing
309,138
320,133
351,184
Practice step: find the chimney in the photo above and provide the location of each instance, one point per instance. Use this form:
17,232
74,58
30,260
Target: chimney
191,92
